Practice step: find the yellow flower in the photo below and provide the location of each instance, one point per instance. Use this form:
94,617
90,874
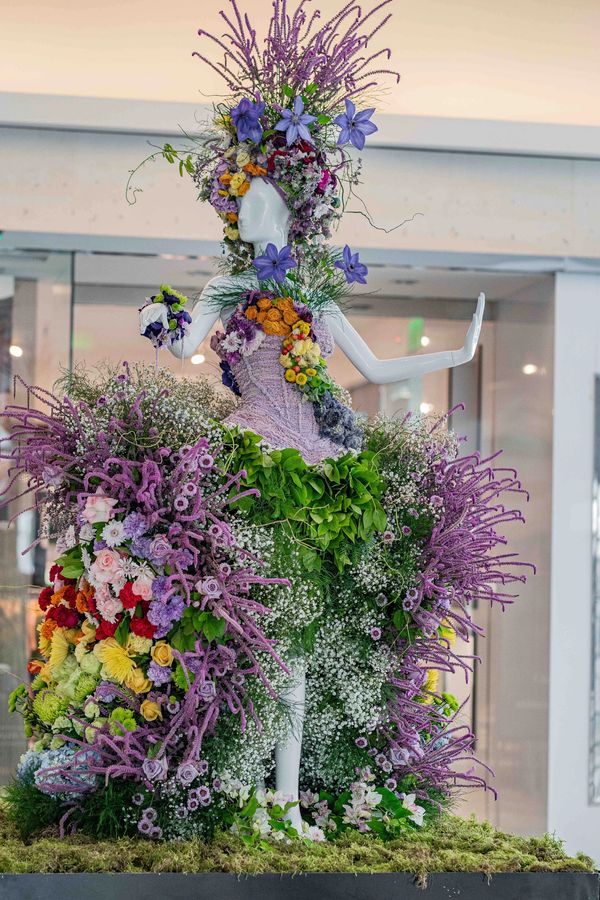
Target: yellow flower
299,348
242,159
236,182
243,189
431,683
150,711
301,379
162,653
290,375
447,631
137,682
136,645
115,659
286,360
223,122
311,373
232,233
59,648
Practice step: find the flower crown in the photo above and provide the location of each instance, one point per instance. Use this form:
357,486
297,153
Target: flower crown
294,110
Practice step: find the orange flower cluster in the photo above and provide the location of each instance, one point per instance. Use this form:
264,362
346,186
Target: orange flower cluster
274,316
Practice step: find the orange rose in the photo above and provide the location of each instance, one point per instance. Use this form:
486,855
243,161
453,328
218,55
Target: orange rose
261,317
34,666
274,315
225,178
251,312
285,303
289,316
278,328
264,303
231,216
243,188
253,169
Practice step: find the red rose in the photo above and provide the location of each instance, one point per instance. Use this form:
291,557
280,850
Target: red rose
107,629
142,628
45,598
127,596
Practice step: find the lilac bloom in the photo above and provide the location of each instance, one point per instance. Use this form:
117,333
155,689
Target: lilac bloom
352,267
294,122
245,116
354,127
274,263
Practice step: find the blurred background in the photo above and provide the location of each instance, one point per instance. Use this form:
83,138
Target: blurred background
490,150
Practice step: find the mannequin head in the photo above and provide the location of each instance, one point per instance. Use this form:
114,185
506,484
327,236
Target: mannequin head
264,217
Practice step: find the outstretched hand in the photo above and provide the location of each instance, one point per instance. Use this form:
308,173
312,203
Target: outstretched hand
469,347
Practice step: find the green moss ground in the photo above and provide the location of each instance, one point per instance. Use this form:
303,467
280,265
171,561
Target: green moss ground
452,845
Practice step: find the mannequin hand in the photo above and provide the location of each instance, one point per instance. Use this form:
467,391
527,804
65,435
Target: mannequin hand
154,312
469,347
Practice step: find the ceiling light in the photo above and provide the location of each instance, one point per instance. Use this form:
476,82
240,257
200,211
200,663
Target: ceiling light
425,341
529,369
426,408
197,359
15,350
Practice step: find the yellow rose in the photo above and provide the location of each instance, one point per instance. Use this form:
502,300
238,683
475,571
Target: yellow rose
232,233
301,379
242,159
285,360
299,348
311,373
236,182
290,375
162,654
137,682
150,711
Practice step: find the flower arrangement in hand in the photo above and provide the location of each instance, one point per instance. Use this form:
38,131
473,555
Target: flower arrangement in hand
172,325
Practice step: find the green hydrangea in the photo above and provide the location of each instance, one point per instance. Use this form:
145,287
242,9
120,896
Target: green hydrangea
90,664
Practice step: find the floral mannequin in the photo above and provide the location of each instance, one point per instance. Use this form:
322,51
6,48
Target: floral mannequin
264,219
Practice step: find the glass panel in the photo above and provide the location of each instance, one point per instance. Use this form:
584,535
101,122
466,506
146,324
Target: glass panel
594,769
35,310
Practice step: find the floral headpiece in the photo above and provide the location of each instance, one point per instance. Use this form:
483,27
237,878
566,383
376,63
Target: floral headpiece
297,102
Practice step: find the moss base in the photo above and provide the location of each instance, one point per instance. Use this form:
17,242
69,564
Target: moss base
452,845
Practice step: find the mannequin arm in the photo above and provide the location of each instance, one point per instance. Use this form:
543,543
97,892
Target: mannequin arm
386,371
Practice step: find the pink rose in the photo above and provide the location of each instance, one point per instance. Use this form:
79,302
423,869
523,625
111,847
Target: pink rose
142,586
107,605
98,508
106,566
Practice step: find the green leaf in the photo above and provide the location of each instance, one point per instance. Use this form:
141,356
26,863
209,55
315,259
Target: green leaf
122,631
287,90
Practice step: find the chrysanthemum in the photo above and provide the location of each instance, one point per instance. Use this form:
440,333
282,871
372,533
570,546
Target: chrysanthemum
115,658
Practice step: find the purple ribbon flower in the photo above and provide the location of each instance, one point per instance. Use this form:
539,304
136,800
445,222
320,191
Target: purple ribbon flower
351,266
354,127
274,263
294,122
246,118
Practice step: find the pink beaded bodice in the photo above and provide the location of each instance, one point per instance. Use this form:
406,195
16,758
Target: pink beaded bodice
271,407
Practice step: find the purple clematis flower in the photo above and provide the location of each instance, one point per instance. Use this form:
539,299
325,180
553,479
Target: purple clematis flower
274,263
245,116
351,266
354,127
294,121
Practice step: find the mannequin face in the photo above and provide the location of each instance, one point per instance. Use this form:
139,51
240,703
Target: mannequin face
263,215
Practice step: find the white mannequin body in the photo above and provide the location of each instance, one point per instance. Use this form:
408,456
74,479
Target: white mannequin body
264,218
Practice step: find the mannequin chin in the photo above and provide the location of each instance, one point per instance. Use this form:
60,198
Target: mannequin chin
264,217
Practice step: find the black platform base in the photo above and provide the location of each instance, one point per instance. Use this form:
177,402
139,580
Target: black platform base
384,886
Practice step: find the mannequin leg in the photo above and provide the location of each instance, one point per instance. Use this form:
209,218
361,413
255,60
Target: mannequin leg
287,753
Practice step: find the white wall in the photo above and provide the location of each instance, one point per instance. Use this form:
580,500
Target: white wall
577,361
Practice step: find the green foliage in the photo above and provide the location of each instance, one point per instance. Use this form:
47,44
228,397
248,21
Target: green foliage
332,508
28,810
451,845
71,562
195,622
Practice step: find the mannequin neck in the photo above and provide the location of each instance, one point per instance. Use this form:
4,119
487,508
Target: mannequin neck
279,237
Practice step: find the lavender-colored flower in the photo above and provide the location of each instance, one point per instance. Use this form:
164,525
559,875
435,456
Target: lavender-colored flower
135,525
388,537
294,122
159,675
187,773
144,826
150,814
210,587
361,743
351,266
376,634
274,263
160,548
181,503
181,812
140,546
354,127
193,804
137,799
155,769
391,784
246,118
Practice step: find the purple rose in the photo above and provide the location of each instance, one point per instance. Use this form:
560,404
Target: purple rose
186,773
155,769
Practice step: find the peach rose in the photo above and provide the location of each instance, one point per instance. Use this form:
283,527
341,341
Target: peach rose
106,565
162,654
98,508
137,682
150,711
